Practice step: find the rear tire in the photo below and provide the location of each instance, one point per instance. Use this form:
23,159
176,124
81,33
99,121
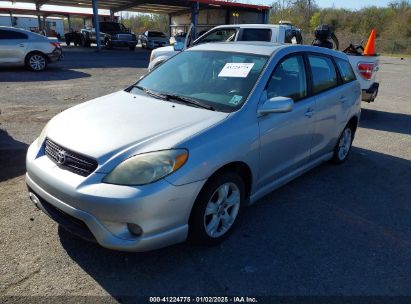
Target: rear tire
68,42
343,147
216,209
36,61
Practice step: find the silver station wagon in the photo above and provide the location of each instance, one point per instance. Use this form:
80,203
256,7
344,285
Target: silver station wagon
178,155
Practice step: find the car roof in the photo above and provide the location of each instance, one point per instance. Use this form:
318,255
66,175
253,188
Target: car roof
17,29
250,25
264,48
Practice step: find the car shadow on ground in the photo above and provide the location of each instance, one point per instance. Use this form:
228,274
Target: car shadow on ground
80,58
52,73
324,233
386,121
12,156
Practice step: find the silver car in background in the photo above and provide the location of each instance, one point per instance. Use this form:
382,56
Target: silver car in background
178,155
21,47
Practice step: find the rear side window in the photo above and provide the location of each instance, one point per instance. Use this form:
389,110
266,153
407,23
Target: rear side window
288,79
256,35
346,70
5,34
323,73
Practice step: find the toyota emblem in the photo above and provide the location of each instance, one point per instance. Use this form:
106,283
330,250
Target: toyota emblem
61,157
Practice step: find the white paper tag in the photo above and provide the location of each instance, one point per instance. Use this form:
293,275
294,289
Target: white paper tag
236,70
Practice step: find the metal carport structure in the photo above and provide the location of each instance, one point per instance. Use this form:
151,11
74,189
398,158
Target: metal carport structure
168,7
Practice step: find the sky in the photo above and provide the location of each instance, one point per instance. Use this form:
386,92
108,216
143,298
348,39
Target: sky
350,4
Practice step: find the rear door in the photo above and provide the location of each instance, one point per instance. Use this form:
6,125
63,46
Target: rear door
331,101
285,138
13,45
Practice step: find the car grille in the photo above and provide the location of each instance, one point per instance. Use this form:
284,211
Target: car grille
125,37
70,160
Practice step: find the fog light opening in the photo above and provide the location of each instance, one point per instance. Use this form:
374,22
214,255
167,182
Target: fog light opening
134,229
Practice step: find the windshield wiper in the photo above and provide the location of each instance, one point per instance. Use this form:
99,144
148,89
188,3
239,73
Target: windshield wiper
152,93
175,97
189,101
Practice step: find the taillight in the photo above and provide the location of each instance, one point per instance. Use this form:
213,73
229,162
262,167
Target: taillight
366,70
55,44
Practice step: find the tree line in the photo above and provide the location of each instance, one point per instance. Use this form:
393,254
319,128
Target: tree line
392,23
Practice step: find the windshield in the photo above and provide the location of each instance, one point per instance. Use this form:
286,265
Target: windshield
156,34
221,80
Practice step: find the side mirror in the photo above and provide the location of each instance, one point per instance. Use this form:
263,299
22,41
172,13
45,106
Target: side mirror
278,104
178,46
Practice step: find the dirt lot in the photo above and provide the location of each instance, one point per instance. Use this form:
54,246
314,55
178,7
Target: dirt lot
338,230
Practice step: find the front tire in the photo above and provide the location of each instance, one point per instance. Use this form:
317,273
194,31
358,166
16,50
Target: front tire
344,144
216,209
36,62
108,44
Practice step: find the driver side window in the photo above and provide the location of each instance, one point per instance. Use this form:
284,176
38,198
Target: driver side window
289,79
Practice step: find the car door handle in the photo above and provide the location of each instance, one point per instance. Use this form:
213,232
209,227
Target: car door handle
309,113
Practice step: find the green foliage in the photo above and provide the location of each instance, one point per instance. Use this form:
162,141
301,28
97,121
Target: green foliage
139,23
388,21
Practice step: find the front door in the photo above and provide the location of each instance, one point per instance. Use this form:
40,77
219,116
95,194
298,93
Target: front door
285,138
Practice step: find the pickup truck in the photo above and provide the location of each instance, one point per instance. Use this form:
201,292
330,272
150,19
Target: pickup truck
365,67
276,33
111,34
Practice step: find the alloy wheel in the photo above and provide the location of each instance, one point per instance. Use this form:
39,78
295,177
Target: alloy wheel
344,144
37,62
222,209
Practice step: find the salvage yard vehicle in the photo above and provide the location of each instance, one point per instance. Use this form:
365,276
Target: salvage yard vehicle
179,154
363,61
283,32
111,34
153,39
21,47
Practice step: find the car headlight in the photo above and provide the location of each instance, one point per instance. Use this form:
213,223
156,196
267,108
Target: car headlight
42,136
147,168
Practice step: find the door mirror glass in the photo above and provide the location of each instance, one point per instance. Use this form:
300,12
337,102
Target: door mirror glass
277,104
178,46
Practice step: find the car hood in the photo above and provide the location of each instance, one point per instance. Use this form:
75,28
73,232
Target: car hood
125,123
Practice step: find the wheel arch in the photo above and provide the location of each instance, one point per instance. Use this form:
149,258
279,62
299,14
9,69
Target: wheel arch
34,52
242,169
353,122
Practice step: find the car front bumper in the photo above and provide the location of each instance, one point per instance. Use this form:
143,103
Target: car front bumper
129,43
101,212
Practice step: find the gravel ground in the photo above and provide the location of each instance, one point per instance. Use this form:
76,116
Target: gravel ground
337,230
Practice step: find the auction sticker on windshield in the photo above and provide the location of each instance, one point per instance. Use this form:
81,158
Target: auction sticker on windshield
236,70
